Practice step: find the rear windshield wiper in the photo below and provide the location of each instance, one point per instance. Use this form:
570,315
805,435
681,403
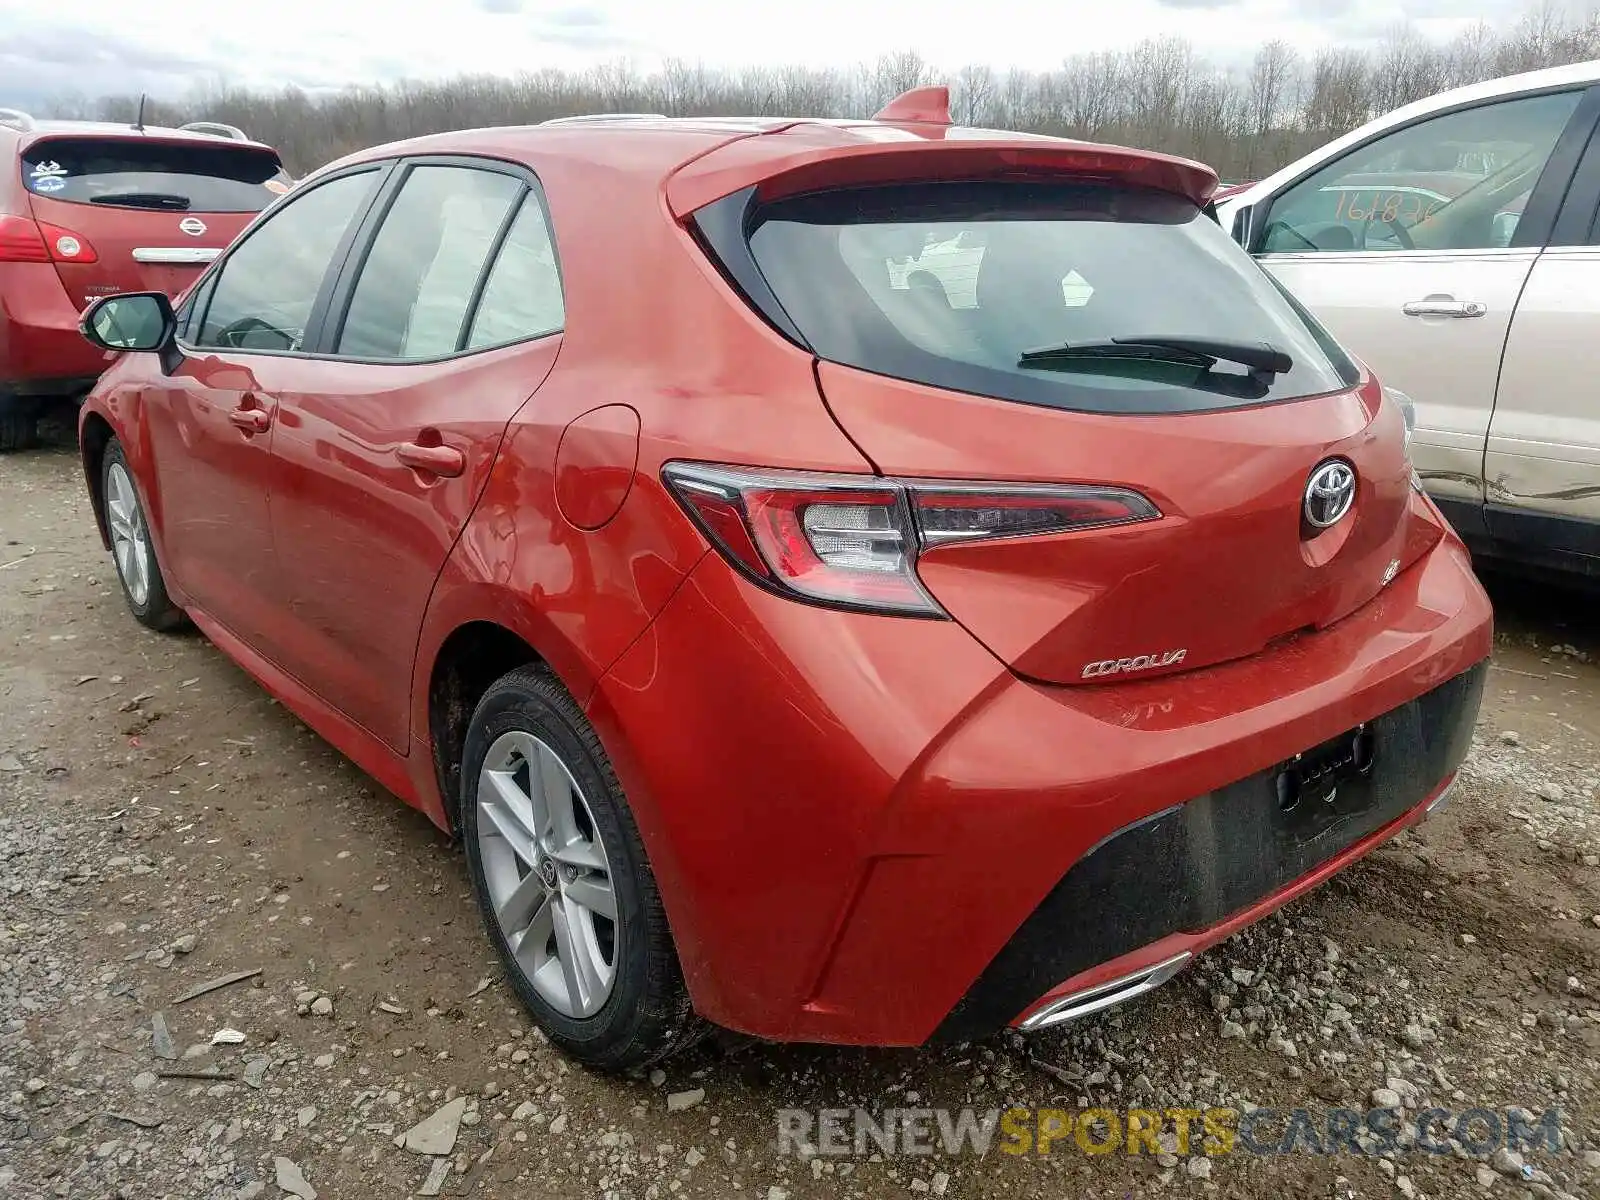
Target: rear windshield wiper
163,200
1263,358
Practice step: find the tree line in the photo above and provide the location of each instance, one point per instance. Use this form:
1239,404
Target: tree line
1158,95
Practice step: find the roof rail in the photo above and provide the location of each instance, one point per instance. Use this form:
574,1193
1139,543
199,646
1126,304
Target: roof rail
215,129
16,119
586,118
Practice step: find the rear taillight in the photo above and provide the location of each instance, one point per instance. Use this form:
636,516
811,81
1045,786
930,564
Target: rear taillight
968,513
23,239
852,541
1408,413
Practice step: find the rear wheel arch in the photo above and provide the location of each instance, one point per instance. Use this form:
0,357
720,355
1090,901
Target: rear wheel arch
467,664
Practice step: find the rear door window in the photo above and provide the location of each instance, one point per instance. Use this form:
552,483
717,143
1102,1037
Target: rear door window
952,284
417,285
169,176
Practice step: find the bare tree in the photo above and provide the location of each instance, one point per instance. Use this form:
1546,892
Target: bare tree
1408,67
1092,88
896,73
1159,94
973,94
1270,84
1337,96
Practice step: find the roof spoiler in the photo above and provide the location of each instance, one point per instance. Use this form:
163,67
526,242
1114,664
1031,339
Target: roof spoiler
803,160
919,106
15,118
215,129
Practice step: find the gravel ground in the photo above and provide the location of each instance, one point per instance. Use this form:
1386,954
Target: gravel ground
164,825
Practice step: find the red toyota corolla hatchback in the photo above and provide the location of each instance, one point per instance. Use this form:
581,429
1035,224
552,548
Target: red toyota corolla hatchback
863,582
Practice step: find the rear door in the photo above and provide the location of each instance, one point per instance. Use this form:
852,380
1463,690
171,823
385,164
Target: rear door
132,212
1413,249
441,327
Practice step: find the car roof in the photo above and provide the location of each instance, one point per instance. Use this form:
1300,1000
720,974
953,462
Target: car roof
694,153
1526,83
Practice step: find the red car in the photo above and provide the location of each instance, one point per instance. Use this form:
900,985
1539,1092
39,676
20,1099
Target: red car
89,210
789,641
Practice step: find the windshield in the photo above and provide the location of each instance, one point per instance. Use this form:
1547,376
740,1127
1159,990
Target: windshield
129,173
950,285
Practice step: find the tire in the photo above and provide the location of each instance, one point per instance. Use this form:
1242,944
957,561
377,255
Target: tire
527,741
143,586
18,431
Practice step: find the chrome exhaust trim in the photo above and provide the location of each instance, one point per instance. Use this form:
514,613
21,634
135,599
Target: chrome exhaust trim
1107,995
1438,801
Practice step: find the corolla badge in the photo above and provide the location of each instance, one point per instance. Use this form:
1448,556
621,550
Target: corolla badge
1330,492
1142,662
193,226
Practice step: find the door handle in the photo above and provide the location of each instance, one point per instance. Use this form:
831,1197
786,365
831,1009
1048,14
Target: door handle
435,460
1440,307
251,420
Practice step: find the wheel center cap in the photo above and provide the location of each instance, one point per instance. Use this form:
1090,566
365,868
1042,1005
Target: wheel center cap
547,871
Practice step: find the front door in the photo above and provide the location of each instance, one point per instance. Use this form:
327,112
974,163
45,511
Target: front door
1542,465
385,444
211,421
1413,250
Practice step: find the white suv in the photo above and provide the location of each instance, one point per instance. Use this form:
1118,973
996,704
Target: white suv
1454,245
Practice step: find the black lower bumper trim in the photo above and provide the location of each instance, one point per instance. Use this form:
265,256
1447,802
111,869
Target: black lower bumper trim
1196,864
37,391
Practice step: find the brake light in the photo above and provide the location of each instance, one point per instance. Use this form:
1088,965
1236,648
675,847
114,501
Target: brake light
852,541
66,246
971,513
21,241
24,240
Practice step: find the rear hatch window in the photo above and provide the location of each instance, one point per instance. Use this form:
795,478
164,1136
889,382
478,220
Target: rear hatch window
164,176
1032,291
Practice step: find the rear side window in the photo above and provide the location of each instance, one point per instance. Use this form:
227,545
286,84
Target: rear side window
522,298
952,284
171,176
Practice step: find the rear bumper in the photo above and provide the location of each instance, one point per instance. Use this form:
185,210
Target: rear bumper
1132,974
42,354
887,840
1186,878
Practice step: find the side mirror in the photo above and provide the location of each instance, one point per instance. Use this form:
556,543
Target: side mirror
1241,225
133,321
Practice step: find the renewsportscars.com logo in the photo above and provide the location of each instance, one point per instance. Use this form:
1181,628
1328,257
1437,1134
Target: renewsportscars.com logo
1208,1132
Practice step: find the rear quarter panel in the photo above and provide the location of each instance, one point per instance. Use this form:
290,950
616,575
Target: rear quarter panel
653,327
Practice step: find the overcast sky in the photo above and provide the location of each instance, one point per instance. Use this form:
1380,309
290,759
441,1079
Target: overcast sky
91,47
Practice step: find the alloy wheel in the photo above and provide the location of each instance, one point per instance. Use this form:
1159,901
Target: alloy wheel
548,876
129,540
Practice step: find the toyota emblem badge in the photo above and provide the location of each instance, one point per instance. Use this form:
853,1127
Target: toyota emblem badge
1330,492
